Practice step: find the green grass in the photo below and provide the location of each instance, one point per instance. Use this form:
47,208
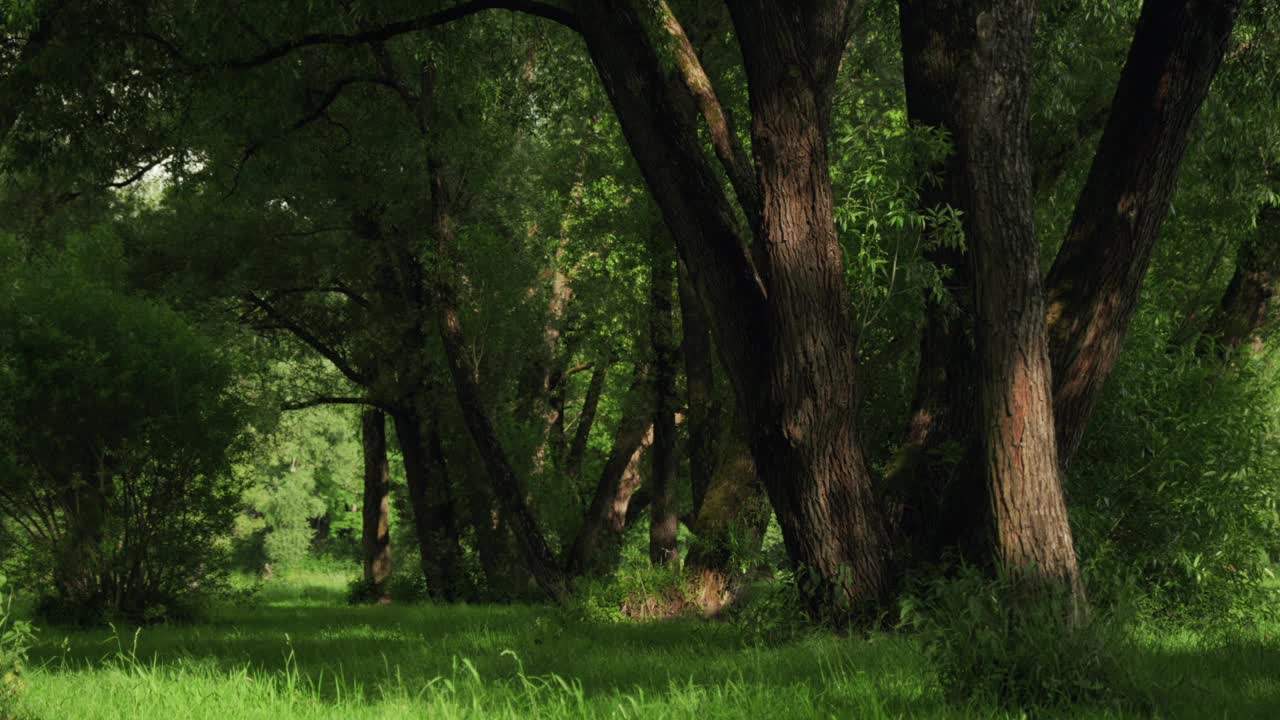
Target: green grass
300,652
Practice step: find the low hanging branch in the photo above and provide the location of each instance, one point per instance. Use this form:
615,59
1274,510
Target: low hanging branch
314,342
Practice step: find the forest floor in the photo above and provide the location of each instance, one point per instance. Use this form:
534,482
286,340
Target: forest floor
301,652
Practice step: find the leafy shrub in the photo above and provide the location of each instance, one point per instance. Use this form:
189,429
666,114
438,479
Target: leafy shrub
116,484
1176,483
772,612
16,637
1002,641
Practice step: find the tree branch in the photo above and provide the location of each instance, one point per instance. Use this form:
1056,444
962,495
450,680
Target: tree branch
312,341
404,27
334,400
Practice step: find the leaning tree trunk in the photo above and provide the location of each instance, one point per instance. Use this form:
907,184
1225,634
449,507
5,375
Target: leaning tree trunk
783,333
376,507
970,64
619,478
538,555
703,413
1094,284
664,519
587,417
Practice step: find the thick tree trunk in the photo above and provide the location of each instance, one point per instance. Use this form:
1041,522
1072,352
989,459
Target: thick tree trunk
783,334
619,478
1095,280
376,508
664,518
803,435
969,63
429,497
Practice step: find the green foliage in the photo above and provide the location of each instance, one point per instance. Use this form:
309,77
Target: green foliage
306,473
773,612
1004,642
16,638
118,480
1177,480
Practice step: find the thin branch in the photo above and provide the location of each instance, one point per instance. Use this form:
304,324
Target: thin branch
334,400
314,342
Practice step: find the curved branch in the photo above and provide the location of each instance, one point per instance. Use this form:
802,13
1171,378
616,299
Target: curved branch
315,343
404,27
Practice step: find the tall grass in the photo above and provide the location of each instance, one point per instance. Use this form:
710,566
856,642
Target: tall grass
299,652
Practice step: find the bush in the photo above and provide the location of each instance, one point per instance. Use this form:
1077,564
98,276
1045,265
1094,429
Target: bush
1002,641
116,484
772,612
1176,482
16,636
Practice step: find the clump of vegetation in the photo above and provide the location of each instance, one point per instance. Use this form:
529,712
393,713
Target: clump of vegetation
16,638
1176,484
119,485
1002,640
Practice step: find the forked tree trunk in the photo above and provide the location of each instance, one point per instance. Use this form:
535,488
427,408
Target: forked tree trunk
376,507
969,64
619,478
783,333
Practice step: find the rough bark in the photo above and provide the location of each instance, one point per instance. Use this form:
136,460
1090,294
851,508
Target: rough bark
376,507
429,498
803,435
1095,280
1245,313
619,478
664,519
783,334
974,60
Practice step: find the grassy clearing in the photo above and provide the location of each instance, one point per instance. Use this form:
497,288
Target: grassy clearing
300,652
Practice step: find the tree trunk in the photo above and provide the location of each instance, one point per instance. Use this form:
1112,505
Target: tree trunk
376,508
1095,280
803,436
1245,313
586,418
732,518
700,384
619,478
973,59
429,497
502,476
664,519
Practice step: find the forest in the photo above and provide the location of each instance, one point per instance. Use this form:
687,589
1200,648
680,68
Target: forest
639,359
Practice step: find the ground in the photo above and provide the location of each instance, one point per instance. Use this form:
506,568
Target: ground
299,651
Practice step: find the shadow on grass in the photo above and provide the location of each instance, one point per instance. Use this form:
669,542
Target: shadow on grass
411,646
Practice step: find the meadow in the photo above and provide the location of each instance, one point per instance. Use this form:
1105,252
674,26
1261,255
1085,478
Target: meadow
298,650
